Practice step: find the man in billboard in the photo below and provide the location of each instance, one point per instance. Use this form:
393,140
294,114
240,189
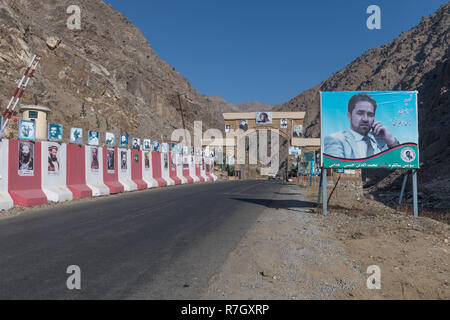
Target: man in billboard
365,137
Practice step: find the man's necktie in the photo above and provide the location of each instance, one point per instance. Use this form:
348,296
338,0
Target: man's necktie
366,139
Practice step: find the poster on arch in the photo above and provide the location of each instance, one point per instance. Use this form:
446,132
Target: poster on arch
369,129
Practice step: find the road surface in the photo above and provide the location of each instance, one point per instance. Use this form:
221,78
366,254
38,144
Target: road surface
154,244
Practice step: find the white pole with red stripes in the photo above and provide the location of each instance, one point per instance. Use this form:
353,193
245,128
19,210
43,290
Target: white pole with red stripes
18,93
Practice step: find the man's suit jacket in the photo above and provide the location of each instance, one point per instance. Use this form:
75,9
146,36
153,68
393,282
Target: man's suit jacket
342,144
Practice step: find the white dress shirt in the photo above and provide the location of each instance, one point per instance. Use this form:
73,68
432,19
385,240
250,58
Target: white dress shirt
362,145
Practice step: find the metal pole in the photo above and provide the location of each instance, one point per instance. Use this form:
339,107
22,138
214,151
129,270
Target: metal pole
414,176
324,189
320,187
310,173
402,192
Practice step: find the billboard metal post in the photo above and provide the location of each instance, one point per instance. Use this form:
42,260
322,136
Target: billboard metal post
320,187
402,192
324,189
414,176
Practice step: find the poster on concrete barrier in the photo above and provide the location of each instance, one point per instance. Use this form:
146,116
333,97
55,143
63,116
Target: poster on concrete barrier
94,159
53,160
369,129
110,159
123,161
26,159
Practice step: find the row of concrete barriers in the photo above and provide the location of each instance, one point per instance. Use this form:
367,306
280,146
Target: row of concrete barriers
34,173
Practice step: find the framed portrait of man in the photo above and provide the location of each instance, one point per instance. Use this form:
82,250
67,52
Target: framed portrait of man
147,164
369,129
26,159
94,159
123,141
298,131
227,128
93,138
123,160
55,132
264,118
283,123
76,136
147,144
164,147
53,160
243,125
156,146
136,143
110,160
110,139
27,130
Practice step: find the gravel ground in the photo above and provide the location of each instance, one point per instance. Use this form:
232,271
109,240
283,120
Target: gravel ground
294,252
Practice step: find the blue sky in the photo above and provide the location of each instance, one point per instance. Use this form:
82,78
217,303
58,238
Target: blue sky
266,50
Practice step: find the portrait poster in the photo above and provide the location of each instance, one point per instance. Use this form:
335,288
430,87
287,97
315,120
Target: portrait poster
93,139
53,160
27,130
147,160
147,144
243,125
136,143
166,160
156,146
110,139
94,159
283,123
264,118
369,129
123,160
110,160
26,159
298,131
76,136
164,147
227,128
123,141
55,132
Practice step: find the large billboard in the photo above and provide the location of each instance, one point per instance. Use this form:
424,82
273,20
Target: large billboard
369,129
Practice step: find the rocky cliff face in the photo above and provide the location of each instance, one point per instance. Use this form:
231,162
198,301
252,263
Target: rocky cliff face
103,77
416,60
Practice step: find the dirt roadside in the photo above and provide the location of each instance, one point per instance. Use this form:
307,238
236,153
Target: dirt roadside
294,252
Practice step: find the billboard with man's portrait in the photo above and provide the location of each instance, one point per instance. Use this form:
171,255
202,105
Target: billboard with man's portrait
55,131
369,129
27,130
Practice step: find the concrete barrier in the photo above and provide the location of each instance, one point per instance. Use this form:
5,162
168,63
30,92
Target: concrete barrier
165,168
76,168
211,172
94,171
54,171
6,202
173,168
185,165
24,173
192,169
208,169
147,170
179,163
125,170
198,171
111,171
203,168
157,169
136,169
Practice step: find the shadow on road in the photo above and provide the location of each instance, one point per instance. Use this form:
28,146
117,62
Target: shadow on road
279,204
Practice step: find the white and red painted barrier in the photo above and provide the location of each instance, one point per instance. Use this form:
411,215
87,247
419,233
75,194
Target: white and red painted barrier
165,168
147,170
76,168
24,173
94,171
198,170
179,162
136,169
185,165
6,201
54,171
203,168
125,170
173,168
157,169
192,169
110,170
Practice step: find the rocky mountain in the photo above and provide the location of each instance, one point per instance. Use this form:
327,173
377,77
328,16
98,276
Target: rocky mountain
103,77
254,106
221,105
415,60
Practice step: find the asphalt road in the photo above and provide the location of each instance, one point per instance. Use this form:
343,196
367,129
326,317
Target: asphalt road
154,244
